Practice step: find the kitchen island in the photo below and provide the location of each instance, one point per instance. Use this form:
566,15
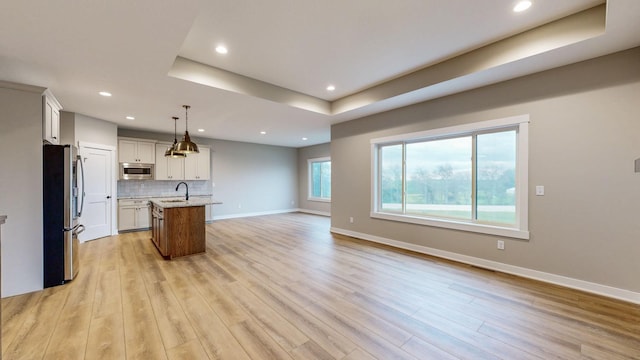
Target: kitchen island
178,226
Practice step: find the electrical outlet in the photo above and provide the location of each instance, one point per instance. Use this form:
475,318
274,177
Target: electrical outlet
500,244
351,219
239,206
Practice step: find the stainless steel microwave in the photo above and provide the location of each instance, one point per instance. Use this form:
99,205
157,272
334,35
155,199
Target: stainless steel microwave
135,171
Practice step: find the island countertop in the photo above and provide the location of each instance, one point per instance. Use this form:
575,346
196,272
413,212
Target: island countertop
181,202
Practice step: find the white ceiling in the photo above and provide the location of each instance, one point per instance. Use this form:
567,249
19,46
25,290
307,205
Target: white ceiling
379,54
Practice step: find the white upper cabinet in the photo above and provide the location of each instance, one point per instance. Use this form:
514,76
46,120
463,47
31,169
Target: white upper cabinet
136,151
197,166
50,118
168,168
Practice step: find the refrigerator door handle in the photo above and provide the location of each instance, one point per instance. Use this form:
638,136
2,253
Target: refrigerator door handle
78,229
79,159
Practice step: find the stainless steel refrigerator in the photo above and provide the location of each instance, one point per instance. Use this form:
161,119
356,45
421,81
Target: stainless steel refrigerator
62,207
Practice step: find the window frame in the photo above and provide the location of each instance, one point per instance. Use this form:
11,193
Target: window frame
310,163
519,230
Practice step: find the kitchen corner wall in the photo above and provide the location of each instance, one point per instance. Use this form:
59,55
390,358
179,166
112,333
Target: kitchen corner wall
583,138
304,154
249,179
89,130
81,130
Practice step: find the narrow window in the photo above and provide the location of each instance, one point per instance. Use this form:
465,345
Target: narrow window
320,179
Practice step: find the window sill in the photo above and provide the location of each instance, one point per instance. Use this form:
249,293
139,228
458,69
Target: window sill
456,225
319,199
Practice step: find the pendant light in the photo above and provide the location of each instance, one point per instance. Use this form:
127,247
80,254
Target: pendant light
186,146
171,151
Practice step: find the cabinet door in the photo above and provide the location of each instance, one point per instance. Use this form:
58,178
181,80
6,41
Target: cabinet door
208,212
50,120
55,125
146,152
175,168
168,168
163,241
143,217
127,151
162,163
154,227
131,151
204,164
197,166
126,218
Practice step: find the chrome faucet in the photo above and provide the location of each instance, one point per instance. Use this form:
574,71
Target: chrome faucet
185,185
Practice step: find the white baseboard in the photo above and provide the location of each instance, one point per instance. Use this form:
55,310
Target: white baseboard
604,290
261,213
315,212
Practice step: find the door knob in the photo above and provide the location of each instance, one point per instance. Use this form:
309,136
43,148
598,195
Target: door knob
108,196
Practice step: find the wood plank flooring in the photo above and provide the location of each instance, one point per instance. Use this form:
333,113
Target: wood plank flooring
283,287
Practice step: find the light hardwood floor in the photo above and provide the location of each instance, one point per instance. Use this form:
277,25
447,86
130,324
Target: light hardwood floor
283,287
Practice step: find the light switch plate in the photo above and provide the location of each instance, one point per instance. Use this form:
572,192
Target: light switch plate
539,190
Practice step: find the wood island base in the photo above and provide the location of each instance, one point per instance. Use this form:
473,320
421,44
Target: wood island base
178,231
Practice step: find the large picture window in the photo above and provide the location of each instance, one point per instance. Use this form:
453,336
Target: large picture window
320,179
471,177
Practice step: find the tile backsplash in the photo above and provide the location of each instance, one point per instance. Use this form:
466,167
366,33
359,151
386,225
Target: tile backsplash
145,188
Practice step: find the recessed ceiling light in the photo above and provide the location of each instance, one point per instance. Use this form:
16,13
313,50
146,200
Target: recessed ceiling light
304,139
331,88
130,118
263,132
221,49
200,130
105,93
522,6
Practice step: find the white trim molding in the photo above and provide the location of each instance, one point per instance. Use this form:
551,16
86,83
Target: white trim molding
260,213
315,212
590,287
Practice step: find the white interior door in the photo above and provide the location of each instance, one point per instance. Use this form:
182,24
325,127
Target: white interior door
97,214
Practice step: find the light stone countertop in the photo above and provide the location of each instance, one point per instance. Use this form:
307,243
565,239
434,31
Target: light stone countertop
194,200
162,196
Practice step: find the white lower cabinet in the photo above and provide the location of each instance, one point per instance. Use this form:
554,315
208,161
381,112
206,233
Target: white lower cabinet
134,214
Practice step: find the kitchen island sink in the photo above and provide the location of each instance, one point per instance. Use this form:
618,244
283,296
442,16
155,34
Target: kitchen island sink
178,226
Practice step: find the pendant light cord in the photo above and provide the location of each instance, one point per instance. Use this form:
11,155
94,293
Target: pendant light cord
175,129
186,117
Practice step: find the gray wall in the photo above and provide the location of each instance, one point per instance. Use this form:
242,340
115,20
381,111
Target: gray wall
95,131
250,179
305,153
21,189
77,127
584,137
